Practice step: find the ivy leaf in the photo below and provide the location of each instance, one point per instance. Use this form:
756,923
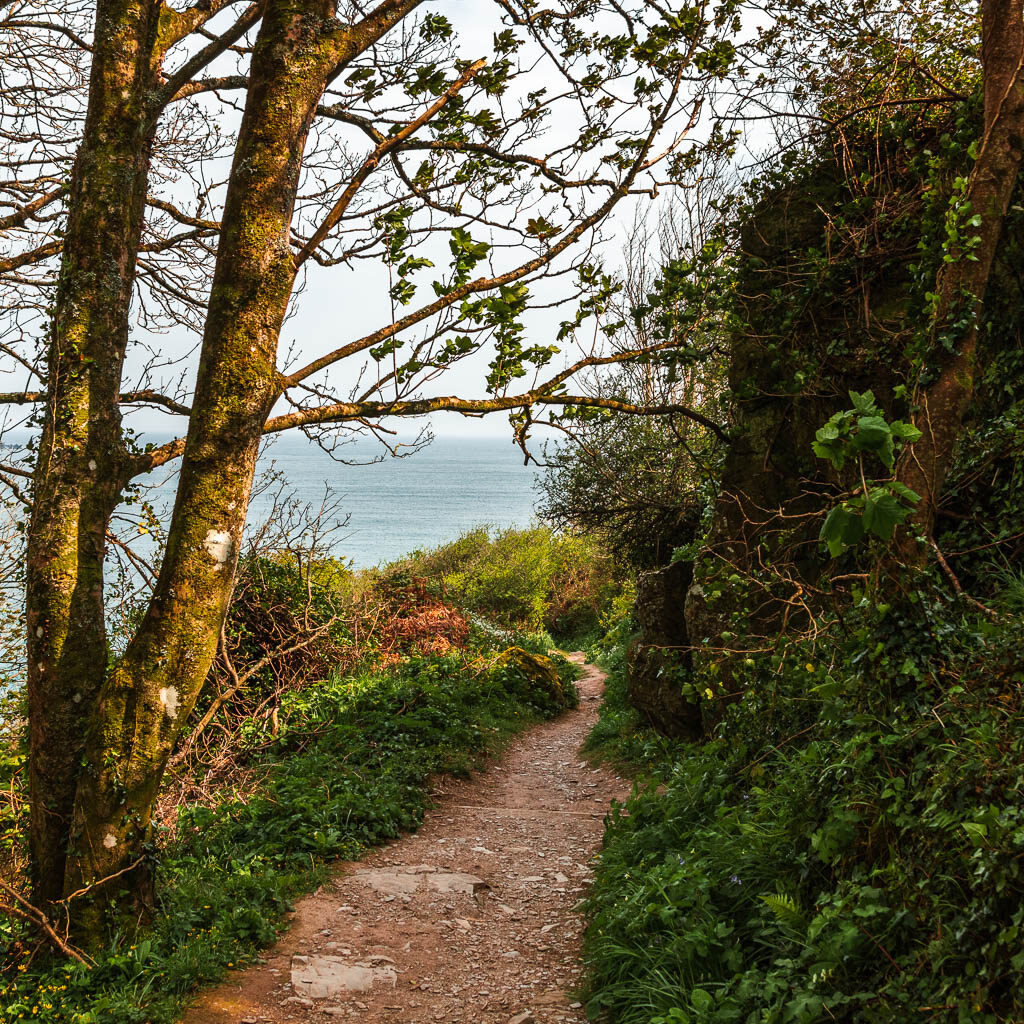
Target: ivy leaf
883,513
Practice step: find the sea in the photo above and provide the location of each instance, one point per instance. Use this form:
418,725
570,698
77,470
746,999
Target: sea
392,505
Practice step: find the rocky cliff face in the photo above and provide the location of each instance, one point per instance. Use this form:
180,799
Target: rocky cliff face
807,328
659,660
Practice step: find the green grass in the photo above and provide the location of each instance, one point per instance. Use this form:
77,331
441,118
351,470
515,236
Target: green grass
348,769
848,847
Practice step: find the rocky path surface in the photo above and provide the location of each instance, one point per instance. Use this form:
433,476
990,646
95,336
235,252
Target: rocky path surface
470,919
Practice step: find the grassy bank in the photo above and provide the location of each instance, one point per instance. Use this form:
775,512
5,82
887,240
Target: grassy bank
349,768
302,766
849,846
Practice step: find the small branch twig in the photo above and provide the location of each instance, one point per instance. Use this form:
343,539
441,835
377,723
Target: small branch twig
102,881
956,583
33,915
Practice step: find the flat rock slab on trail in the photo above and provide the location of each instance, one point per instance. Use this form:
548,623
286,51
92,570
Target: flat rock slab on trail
470,919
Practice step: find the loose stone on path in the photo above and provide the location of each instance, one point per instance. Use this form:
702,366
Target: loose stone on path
409,879
470,921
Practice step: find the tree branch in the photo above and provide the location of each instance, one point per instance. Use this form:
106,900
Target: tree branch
143,397
19,217
248,18
371,162
345,412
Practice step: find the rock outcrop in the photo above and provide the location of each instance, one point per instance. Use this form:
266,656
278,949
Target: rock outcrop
660,658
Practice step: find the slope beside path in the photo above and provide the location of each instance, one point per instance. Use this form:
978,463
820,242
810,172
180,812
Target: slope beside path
470,919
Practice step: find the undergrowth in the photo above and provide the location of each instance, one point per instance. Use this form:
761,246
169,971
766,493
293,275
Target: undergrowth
849,846
348,768
530,579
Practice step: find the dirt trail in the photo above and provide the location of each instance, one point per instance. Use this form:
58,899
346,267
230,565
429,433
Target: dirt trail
470,919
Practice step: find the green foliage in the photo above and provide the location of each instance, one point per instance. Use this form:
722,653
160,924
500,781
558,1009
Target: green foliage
528,579
347,769
880,505
642,484
860,430
848,844
848,847
636,485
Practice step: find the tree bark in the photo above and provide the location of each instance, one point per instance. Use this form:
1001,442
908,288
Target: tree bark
80,448
963,280
149,693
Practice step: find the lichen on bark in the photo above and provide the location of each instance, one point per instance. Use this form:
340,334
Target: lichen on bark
152,687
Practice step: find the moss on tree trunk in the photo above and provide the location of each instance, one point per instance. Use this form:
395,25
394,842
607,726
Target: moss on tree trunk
151,689
79,465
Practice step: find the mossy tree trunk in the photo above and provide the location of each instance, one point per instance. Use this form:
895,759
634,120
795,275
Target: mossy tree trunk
150,690
81,454
83,464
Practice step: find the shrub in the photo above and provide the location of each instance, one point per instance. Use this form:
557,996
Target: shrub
849,846
530,579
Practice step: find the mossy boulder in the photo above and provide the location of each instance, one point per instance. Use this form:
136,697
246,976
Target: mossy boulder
539,675
660,660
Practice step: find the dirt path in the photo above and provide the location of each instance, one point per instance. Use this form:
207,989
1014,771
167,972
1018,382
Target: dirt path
470,919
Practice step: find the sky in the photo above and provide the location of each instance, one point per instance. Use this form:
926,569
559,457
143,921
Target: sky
341,303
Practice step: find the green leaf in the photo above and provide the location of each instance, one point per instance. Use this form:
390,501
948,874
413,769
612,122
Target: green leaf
903,491
976,832
834,529
541,227
865,403
872,432
702,1001
835,453
874,435
905,431
882,514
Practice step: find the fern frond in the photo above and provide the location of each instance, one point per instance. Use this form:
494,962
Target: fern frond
786,911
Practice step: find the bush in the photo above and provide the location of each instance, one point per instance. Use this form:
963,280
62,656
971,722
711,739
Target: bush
348,768
849,847
530,579
635,483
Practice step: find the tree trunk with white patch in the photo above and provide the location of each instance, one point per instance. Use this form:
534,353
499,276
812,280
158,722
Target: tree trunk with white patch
151,690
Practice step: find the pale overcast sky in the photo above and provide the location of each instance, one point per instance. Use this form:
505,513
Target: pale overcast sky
345,302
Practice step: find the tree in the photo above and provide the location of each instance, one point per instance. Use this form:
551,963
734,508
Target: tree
974,225
639,483
448,148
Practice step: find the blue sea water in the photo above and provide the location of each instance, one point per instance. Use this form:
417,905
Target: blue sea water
393,506
397,505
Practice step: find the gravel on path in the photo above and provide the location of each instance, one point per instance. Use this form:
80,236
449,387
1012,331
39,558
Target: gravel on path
470,919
